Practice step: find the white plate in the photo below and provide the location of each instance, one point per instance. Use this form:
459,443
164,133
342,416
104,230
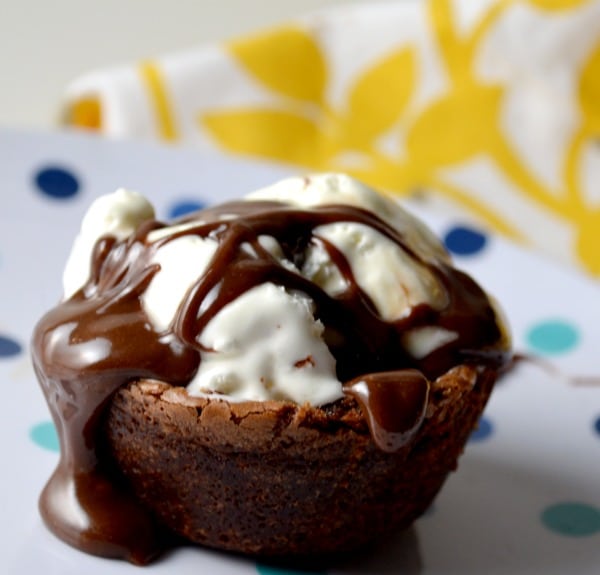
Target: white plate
526,498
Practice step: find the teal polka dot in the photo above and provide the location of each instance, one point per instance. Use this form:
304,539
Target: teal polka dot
272,570
572,519
553,336
44,435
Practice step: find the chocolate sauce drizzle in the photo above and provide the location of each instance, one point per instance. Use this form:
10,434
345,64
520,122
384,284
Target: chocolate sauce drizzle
100,339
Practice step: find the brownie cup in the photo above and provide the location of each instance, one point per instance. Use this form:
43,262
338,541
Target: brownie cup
277,479
288,375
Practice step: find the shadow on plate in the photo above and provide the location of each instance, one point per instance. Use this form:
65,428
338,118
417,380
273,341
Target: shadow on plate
399,554
485,520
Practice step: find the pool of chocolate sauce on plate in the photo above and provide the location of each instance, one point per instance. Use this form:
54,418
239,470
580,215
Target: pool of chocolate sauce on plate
100,339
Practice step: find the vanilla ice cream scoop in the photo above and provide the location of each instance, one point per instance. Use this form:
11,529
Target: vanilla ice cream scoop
275,352
386,273
292,290
117,214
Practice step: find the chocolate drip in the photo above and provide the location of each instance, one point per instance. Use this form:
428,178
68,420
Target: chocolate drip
394,403
83,351
100,339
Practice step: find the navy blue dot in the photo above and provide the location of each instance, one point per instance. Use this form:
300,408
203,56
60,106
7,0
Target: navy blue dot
483,430
464,241
57,182
597,425
184,207
9,347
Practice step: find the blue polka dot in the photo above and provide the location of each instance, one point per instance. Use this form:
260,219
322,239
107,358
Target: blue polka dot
9,347
553,336
44,435
465,241
572,519
483,431
184,207
57,182
273,570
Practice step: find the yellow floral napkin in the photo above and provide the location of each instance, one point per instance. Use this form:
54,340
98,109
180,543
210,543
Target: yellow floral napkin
491,107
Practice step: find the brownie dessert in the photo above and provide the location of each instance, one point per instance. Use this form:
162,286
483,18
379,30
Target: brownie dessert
295,373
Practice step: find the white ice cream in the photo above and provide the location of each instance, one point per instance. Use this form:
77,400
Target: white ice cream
182,261
267,344
117,214
273,352
322,189
383,271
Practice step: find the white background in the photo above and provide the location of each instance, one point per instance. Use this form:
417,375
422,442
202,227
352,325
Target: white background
46,43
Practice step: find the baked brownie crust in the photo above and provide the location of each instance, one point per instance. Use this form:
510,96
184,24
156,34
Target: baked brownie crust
273,478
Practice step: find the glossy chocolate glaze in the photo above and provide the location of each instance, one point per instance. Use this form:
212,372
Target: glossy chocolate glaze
100,339
394,403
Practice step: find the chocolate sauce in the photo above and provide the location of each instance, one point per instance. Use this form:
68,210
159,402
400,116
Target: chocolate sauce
394,403
551,369
100,339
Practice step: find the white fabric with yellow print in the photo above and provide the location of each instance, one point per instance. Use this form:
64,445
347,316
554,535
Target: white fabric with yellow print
491,106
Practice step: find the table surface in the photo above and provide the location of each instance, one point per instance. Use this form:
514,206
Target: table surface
525,498
44,45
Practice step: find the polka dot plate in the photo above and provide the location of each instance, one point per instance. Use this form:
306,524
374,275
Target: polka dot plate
526,496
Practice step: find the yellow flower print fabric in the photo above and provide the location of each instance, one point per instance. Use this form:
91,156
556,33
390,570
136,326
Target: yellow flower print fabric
491,107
